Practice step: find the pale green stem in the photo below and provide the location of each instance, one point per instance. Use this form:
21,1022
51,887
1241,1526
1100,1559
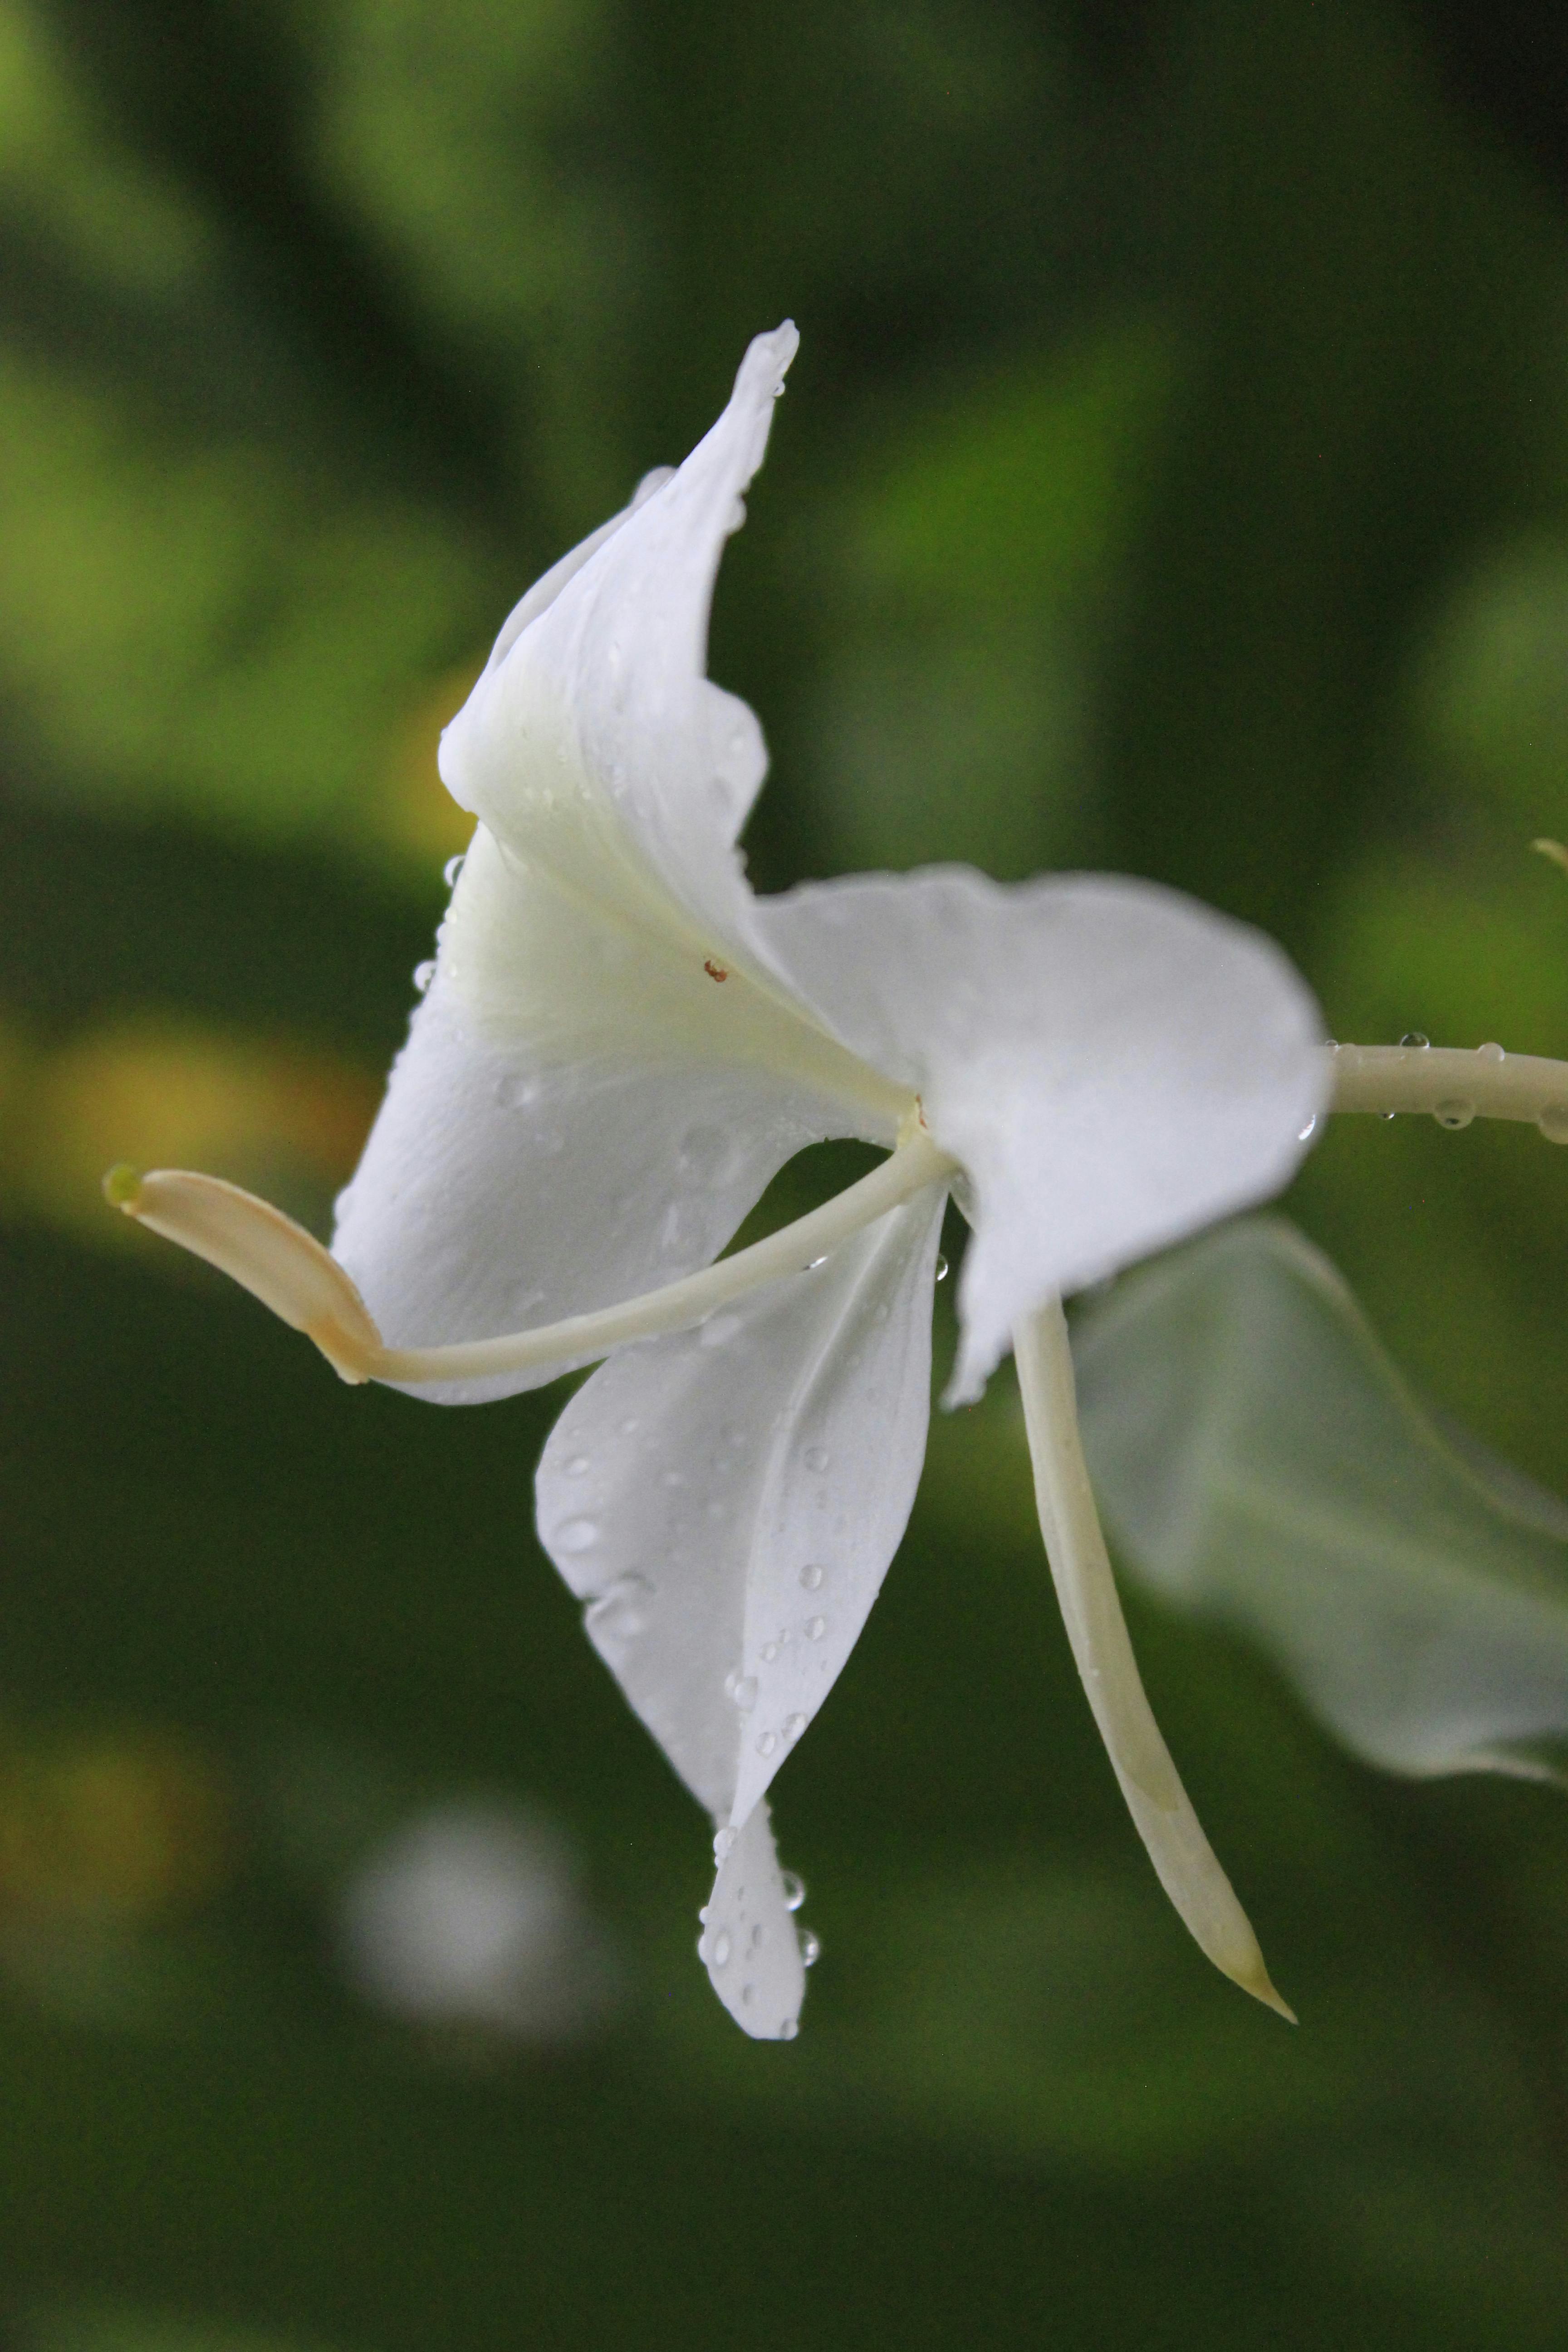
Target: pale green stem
1455,1085
289,1270
1097,1631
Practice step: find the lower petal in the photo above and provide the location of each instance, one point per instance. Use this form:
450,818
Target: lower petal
727,1500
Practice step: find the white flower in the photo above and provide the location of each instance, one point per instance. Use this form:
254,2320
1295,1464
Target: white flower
468,1914
620,1046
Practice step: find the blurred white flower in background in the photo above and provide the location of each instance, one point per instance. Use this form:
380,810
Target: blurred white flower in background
469,1915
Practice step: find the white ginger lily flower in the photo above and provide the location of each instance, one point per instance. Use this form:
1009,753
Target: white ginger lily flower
621,1046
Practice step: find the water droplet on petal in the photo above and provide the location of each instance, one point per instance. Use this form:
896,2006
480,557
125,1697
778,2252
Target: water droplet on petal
810,1948
811,1575
1491,1052
514,1092
816,1457
579,1466
453,867
794,1889
718,1329
1414,1037
815,1628
629,1427
794,1725
1454,1113
1554,1122
770,1652
767,1743
748,1994
1388,1113
791,2026
620,1614
941,1267
721,1948
745,1693
1305,1134
577,1536
424,973
758,1937
812,1263
724,1841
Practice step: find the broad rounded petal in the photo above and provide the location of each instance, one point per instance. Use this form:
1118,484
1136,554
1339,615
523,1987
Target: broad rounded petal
1114,1064
579,1115
595,747
727,1500
749,1944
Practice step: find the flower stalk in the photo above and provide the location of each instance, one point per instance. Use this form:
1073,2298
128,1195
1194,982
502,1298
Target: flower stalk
1453,1085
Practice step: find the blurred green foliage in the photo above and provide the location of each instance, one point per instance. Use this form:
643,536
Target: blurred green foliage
1175,478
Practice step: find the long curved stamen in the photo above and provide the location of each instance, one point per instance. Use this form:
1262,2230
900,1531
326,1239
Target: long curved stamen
1185,1862
288,1270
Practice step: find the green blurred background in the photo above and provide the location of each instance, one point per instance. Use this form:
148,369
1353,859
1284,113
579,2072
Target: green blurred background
1173,478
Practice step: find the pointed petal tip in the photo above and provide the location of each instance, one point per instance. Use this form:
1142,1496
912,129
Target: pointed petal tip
749,1945
978,1356
767,358
1271,1998
1249,1972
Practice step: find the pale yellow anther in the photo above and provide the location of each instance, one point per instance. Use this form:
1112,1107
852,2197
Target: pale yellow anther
260,1248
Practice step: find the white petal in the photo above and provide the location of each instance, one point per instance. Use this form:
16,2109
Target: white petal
545,589
595,747
727,1501
578,1116
1114,1063
590,1017
749,1943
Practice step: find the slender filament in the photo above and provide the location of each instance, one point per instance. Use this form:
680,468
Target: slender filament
288,1270
1080,1569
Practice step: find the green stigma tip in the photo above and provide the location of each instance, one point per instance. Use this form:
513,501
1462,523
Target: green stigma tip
123,1186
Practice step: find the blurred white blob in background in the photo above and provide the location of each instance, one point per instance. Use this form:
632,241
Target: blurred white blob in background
467,1917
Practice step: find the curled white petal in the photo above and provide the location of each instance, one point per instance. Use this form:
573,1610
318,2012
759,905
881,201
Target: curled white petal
596,747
